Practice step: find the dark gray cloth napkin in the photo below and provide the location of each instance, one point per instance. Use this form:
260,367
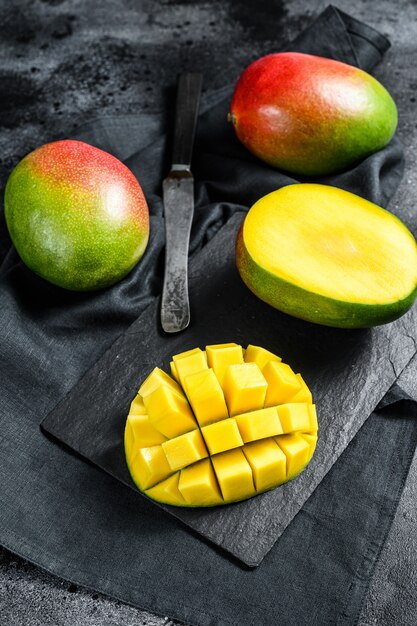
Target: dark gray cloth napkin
73,520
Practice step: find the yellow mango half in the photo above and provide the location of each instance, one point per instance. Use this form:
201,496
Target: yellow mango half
234,423
328,256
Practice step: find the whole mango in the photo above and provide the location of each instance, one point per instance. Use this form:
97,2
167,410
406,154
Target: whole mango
310,115
76,215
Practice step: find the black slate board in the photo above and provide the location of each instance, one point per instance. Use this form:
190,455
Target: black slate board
348,371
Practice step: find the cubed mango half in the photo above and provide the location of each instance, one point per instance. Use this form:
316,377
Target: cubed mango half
227,425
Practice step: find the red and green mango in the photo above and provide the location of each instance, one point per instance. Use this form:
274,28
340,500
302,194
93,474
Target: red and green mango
310,115
76,215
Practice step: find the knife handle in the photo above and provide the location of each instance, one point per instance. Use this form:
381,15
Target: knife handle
187,105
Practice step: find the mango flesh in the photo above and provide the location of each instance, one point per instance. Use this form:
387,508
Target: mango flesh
310,115
328,256
232,446
76,215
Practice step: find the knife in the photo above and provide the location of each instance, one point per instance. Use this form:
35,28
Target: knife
178,198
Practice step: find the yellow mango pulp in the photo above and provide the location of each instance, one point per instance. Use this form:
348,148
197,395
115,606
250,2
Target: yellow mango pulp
260,356
155,379
259,424
220,356
206,397
148,466
169,411
222,436
295,416
167,491
198,483
244,388
304,395
143,432
234,424
185,450
189,362
297,451
268,463
137,406
234,475
283,383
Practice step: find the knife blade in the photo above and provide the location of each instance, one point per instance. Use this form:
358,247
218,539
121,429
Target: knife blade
178,200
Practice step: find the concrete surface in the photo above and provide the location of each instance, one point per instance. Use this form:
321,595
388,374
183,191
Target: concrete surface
67,61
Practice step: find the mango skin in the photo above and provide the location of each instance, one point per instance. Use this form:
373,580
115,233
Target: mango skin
76,215
309,115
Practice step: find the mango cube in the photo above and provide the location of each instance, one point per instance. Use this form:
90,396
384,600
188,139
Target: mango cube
206,397
268,463
156,378
187,353
244,388
304,394
174,373
142,433
185,450
169,412
297,451
234,474
222,436
294,416
167,491
259,424
137,406
221,355
149,466
129,440
282,383
260,356
311,440
314,426
189,362
198,485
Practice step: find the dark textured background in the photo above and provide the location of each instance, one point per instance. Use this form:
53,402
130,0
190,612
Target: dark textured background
68,61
